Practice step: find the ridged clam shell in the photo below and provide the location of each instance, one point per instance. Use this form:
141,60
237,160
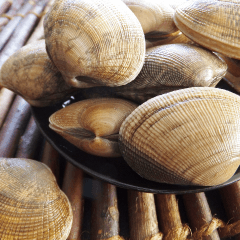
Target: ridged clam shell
213,24
154,15
100,39
30,73
188,136
174,66
32,206
93,124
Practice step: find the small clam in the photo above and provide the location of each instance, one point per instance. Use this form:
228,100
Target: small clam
174,66
100,39
32,206
30,73
188,136
213,24
93,124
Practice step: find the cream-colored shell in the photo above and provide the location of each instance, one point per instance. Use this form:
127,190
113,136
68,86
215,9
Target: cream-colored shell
188,136
30,73
100,39
93,124
32,206
213,24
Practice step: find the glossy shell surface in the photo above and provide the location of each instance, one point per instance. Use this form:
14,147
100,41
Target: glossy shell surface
213,24
188,136
32,206
100,39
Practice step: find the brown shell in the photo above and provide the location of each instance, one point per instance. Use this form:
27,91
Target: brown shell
188,136
30,73
32,206
154,16
100,39
213,24
171,67
93,124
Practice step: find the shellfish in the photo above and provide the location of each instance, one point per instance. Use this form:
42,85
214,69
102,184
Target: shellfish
188,136
93,124
32,206
213,24
100,39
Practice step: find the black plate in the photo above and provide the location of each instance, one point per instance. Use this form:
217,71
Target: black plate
112,170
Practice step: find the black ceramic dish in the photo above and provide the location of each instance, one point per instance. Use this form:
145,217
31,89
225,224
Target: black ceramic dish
112,170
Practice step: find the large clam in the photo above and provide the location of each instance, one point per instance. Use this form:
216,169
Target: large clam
32,206
188,136
93,124
100,39
213,24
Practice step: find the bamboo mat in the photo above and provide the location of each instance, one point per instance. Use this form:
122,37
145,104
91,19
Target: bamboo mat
102,211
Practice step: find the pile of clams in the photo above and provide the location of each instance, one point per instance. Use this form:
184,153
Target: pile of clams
148,71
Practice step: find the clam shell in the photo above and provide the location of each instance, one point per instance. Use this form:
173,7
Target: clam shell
188,136
30,73
100,39
174,66
93,124
213,24
31,204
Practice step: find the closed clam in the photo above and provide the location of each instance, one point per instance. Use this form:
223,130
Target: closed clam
99,39
30,73
213,24
93,124
32,206
188,136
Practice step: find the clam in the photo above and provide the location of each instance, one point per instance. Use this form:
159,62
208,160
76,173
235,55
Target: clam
189,136
174,66
213,24
93,124
99,39
30,73
154,15
32,206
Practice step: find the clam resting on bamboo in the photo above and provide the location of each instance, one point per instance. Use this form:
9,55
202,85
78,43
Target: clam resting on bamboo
32,206
188,136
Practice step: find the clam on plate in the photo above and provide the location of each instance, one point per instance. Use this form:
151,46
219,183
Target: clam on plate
112,170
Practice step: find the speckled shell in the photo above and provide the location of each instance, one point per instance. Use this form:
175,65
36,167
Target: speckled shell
100,39
171,67
30,73
188,136
93,124
154,15
213,24
32,206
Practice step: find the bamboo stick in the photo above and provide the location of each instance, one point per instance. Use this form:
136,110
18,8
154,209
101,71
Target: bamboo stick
5,6
10,27
73,187
231,200
29,140
14,127
169,217
199,213
6,99
21,34
142,216
50,157
105,214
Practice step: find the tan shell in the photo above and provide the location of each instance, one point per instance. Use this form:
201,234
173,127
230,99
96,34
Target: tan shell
93,124
154,15
30,73
100,39
171,67
189,136
32,206
213,24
